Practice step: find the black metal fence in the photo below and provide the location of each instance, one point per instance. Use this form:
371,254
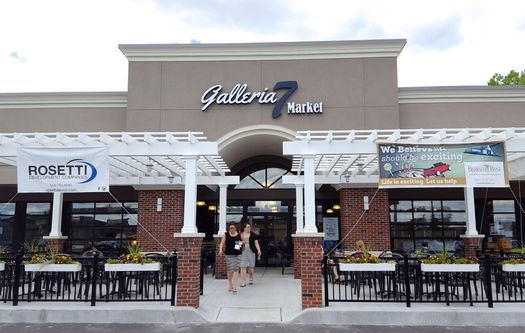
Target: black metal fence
89,282
409,283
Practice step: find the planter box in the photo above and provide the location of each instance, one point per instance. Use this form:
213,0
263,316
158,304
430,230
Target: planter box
379,267
53,267
154,266
450,267
2,266
513,267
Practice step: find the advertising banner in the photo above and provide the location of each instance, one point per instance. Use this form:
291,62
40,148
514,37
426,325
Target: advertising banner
444,165
79,169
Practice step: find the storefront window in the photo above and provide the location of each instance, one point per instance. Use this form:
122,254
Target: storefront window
503,223
7,222
268,178
38,221
107,226
435,224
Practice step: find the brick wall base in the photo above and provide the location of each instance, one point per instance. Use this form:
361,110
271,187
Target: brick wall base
311,273
188,270
472,244
55,244
374,226
220,262
296,259
156,229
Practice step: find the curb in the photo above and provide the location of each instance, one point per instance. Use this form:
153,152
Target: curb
102,315
412,317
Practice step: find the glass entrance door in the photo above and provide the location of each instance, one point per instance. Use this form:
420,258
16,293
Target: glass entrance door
274,237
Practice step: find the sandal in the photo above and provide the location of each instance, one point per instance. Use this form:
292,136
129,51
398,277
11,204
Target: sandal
251,282
234,291
243,285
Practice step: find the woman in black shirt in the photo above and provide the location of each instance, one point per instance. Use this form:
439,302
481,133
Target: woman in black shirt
231,245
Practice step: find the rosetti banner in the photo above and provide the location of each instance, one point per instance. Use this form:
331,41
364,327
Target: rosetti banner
79,169
447,165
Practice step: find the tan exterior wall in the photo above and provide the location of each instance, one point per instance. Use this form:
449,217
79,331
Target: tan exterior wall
356,93
454,115
28,120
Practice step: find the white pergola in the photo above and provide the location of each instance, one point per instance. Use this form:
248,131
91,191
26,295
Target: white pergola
349,158
148,160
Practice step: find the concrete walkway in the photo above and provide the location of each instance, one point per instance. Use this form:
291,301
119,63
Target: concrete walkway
272,298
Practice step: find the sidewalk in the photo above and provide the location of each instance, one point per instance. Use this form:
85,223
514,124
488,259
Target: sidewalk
272,298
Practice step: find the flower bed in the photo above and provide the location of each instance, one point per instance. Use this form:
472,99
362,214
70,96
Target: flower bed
368,267
148,267
49,267
450,267
513,265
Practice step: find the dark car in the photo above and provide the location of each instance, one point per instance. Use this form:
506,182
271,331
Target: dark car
436,170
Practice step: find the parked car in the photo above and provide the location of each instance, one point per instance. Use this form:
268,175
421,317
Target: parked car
437,170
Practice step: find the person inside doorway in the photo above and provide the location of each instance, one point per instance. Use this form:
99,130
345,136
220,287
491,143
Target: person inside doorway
231,247
251,247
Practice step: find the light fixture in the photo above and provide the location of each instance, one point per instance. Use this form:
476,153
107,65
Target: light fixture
274,209
171,177
329,211
336,207
365,203
212,207
201,203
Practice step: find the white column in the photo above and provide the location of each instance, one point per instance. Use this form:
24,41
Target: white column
56,215
299,208
470,212
223,189
190,196
309,194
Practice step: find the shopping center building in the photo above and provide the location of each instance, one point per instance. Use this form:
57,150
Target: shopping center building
249,99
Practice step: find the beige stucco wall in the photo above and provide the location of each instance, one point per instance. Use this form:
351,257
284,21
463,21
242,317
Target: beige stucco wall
454,115
356,93
30,120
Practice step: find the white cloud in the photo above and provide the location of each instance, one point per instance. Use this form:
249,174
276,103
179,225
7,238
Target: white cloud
73,45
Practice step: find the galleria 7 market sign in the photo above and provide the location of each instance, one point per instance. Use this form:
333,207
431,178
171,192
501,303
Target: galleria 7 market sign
79,169
450,165
240,94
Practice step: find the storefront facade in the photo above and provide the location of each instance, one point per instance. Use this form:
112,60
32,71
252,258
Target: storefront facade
250,98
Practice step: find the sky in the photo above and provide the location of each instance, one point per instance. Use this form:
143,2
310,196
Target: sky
72,45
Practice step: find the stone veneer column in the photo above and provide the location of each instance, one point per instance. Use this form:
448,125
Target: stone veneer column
188,269
162,225
374,227
296,258
472,244
55,244
220,262
310,267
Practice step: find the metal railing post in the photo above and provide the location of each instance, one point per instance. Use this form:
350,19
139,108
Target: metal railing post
94,279
407,279
488,281
201,277
174,263
18,264
325,275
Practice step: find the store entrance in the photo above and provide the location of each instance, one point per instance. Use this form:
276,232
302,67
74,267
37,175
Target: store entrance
274,237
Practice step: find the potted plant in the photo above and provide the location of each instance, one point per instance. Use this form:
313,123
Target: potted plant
365,262
443,263
51,262
132,261
513,265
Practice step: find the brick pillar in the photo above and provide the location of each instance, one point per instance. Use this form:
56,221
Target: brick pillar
296,258
311,273
162,225
374,226
220,262
188,270
472,244
55,244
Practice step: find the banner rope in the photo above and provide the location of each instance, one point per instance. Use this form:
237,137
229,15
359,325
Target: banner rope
138,223
356,223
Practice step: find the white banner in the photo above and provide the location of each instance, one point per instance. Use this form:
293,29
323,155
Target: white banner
65,169
485,174
331,228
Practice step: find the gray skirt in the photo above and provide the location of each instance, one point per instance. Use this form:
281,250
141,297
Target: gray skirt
247,257
232,262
